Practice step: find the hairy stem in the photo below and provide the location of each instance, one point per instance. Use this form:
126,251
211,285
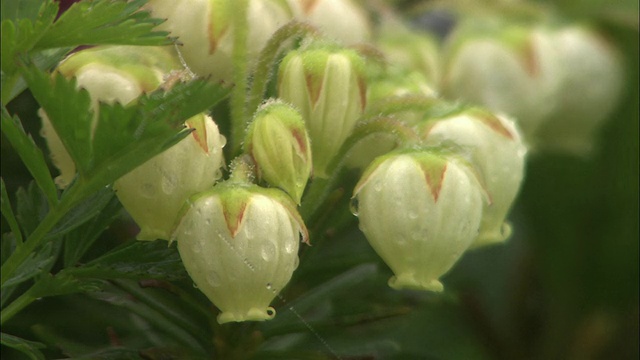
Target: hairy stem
240,72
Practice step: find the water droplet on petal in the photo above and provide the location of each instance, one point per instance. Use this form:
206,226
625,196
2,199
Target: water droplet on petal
353,206
268,251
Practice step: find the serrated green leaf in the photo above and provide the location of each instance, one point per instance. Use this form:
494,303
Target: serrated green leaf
8,214
136,260
104,22
31,208
121,137
30,155
78,242
83,212
35,264
29,348
69,111
20,35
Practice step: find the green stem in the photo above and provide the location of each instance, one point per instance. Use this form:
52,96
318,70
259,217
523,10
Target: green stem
240,72
38,237
16,306
264,66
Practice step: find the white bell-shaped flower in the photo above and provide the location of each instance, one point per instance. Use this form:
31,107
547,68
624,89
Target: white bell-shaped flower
420,211
239,244
154,192
494,147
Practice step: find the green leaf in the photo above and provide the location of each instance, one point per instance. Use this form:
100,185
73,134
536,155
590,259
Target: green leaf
20,35
104,22
31,208
306,302
89,208
29,348
20,9
30,155
120,138
136,260
8,214
35,264
78,242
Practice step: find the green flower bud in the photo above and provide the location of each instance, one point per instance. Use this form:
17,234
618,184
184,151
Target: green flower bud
495,148
205,30
154,192
328,88
506,69
278,142
341,20
239,244
420,211
110,74
589,90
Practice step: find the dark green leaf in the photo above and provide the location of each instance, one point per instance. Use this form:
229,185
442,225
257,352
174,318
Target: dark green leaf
62,283
83,212
103,22
136,260
30,154
29,348
31,208
35,264
80,240
8,214
312,298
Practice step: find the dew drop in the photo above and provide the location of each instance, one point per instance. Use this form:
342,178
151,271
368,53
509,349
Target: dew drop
353,206
289,246
413,215
169,183
377,186
269,287
296,262
222,141
268,251
195,286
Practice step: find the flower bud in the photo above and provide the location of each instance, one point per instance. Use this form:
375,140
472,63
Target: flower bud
495,148
110,74
505,68
154,192
590,88
206,31
278,142
420,211
328,88
239,244
341,20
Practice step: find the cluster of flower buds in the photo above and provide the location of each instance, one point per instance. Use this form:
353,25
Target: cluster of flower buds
559,83
205,30
439,177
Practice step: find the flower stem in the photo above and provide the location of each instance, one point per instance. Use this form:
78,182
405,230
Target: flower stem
240,72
